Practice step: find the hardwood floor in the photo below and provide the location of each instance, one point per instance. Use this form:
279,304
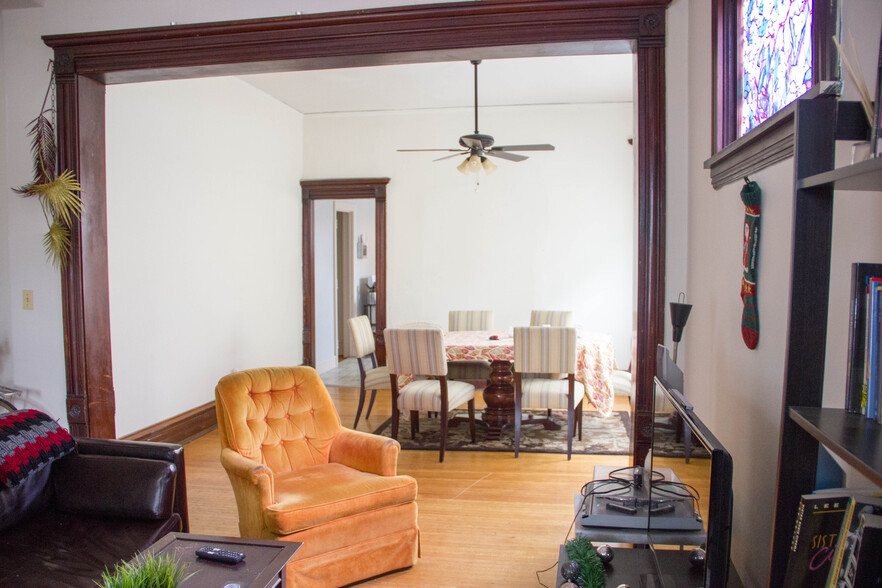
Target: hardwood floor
486,519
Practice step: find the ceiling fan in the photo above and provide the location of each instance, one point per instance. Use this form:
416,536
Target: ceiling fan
476,147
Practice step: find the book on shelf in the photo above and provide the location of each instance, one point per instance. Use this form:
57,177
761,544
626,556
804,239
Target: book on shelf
864,566
857,370
818,521
874,291
876,390
859,504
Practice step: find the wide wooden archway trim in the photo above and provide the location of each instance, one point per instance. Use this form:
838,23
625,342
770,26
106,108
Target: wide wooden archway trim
466,30
344,189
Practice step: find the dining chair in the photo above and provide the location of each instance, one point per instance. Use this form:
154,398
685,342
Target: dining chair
547,350
470,320
419,351
474,371
552,318
373,378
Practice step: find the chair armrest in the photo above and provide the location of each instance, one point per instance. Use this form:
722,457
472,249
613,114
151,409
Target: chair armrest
252,484
115,486
255,478
170,452
365,452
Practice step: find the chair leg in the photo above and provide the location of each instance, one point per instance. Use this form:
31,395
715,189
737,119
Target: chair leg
370,404
472,419
395,411
517,412
579,414
443,431
414,424
360,406
571,420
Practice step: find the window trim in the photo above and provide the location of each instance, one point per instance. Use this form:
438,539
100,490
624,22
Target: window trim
749,153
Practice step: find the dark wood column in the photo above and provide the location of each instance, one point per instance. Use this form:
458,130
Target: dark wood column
90,395
651,228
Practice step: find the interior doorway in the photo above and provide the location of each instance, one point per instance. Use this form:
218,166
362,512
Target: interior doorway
85,62
321,201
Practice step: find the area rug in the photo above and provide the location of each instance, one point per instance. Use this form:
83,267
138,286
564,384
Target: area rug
344,375
600,435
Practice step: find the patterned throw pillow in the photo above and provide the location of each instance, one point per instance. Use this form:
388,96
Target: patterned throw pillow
29,441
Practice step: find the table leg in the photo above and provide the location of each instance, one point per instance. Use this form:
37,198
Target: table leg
499,397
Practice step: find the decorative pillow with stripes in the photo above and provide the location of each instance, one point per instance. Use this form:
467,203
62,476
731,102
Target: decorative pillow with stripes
29,441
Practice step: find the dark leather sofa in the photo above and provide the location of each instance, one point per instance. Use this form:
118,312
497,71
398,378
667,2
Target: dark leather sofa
89,510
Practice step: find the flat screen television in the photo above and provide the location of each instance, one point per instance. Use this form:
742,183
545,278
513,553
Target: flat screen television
683,445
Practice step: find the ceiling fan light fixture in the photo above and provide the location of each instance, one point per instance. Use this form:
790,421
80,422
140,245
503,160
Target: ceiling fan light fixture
489,166
463,167
474,163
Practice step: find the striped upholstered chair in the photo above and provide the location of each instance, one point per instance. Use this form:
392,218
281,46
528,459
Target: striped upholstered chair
419,351
373,378
542,350
552,318
473,371
470,320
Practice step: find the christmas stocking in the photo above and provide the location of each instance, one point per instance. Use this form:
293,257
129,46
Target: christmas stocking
751,196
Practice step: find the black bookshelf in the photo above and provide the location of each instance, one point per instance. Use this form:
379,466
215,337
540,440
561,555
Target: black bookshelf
853,437
805,426
864,175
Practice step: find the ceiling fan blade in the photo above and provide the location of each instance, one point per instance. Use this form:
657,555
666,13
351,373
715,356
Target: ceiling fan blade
506,155
543,147
458,154
407,150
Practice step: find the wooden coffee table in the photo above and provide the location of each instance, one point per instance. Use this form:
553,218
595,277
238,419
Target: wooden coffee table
263,566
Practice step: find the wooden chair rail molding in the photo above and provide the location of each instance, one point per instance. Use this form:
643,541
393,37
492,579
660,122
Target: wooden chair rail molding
85,62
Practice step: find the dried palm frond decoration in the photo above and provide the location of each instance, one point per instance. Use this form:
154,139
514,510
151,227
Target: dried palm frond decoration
56,192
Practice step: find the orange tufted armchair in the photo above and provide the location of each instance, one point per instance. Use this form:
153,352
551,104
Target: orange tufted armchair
298,475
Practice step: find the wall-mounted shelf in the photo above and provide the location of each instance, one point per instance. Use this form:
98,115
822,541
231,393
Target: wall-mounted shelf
865,175
853,437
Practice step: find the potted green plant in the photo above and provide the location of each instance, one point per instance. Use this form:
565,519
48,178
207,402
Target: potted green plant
56,192
146,570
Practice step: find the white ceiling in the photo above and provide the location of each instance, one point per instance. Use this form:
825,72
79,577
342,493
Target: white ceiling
501,82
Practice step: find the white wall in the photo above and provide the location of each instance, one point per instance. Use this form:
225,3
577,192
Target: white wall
552,232
203,222
735,390
365,216
325,294
5,285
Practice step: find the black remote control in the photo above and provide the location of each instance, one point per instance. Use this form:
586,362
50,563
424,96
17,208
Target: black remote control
221,555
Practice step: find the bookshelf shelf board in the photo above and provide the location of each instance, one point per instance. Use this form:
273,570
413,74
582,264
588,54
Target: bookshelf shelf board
865,175
854,438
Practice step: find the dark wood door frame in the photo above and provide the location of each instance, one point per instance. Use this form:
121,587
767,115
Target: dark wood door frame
85,62
347,189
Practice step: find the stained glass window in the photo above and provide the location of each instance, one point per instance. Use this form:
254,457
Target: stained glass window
776,57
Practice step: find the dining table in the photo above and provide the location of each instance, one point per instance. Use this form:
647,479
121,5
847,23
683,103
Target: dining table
595,362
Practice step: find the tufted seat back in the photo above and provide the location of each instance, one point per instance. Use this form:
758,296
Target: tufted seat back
280,417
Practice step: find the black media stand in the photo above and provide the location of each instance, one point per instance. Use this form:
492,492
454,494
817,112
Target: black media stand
636,568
